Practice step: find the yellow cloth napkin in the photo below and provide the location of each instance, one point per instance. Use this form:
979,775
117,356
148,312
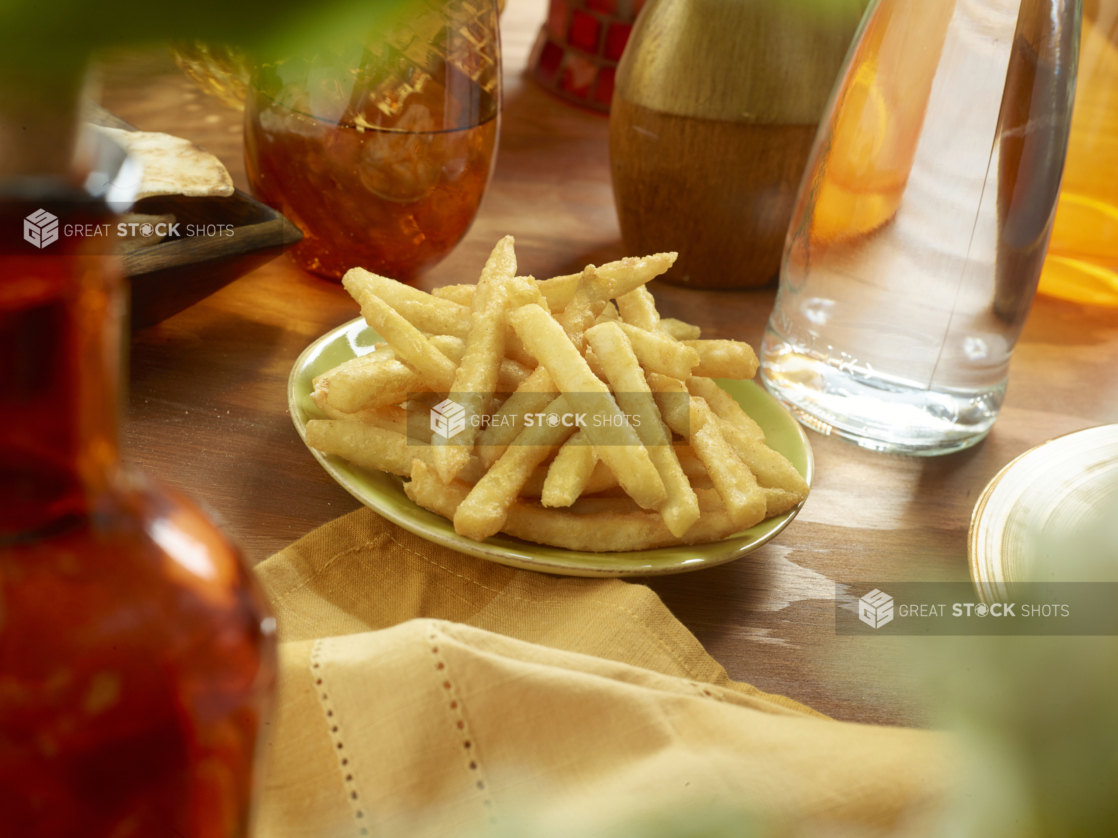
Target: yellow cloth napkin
427,693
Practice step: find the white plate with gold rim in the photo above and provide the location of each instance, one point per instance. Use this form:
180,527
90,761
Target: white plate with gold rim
1051,515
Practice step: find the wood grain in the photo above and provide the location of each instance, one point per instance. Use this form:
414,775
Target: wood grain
719,193
207,411
713,117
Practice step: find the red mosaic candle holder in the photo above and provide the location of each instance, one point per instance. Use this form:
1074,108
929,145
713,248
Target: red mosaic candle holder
579,45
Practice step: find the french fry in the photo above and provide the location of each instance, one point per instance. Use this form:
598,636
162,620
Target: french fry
601,480
724,359
559,290
483,511
779,501
635,271
390,418
377,382
725,406
589,301
512,374
532,395
681,508
638,309
461,294
407,342
623,276
596,525
673,400
428,314
659,353
735,484
476,377
770,467
608,313
366,445
570,472
678,330
514,349
615,440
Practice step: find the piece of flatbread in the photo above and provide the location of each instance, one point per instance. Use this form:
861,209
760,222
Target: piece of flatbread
172,165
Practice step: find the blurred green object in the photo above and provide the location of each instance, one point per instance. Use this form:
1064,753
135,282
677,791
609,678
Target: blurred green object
1038,720
47,47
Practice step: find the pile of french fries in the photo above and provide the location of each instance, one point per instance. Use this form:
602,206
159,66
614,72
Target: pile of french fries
675,460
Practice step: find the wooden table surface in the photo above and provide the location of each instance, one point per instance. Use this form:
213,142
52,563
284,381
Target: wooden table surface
207,410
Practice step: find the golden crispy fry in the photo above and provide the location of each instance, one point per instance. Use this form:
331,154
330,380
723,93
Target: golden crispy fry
512,374
601,479
623,276
559,290
615,440
390,418
589,301
734,483
638,309
532,395
612,347
431,315
407,342
570,472
461,294
633,272
595,365
678,329
482,512
609,313
514,348
366,445
593,525
379,380
524,290
725,406
476,378
779,501
673,400
770,467
659,353
724,359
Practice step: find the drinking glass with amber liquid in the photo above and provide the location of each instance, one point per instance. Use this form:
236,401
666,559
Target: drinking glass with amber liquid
381,150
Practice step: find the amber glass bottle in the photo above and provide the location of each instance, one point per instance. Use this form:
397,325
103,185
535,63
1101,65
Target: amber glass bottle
136,654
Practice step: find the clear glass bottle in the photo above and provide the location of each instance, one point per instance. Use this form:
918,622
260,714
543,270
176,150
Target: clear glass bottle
922,222
136,653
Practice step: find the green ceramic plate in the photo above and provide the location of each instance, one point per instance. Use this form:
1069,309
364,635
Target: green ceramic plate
384,493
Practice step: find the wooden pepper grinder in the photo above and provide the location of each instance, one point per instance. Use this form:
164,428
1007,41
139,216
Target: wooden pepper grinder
714,111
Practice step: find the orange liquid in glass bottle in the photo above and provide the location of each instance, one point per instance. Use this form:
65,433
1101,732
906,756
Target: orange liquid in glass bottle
877,122
1082,263
381,160
136,654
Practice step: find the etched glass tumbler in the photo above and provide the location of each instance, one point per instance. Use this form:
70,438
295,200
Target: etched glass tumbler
381,149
